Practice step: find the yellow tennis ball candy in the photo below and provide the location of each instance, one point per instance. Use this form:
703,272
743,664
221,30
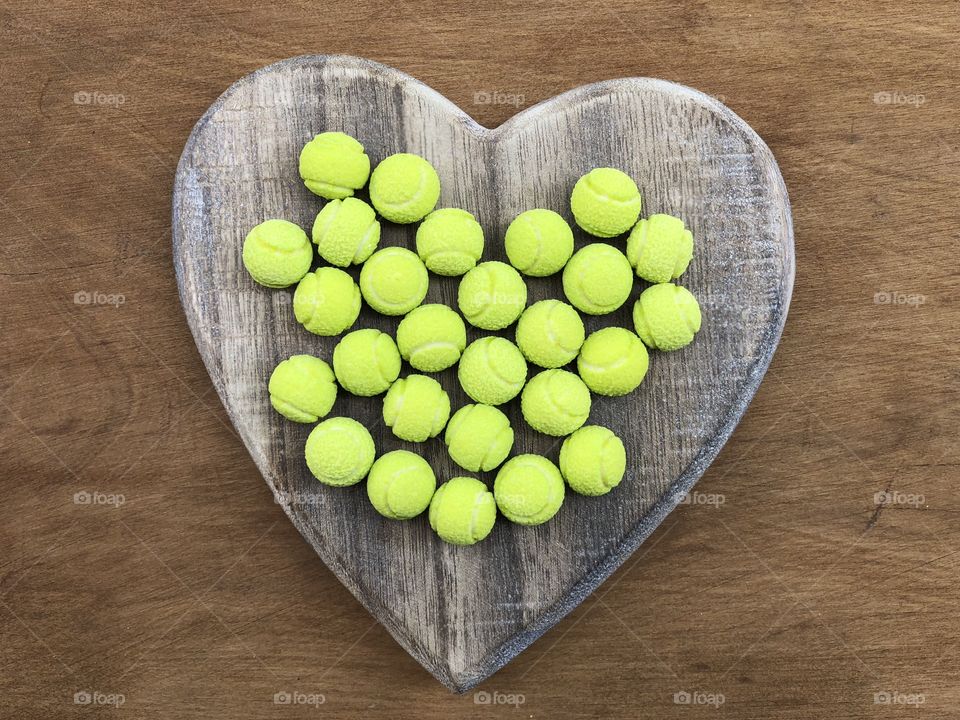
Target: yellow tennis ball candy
431,337
400,485
492,295
346,232
550,333
605,202
275,255
598,279
538,242
327,301
613,361
339,451
449,241
666,316
529,489
333,165
416,408
366,362
478,437
404,188
492,370
660,248
394,281
463,511
555,402
593,460
302,388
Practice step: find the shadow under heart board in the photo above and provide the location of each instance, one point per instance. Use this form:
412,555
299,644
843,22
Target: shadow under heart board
463,612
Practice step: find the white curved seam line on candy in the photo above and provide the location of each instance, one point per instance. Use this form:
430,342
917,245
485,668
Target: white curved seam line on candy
473,516
407,203
617,364
431,346
539,236
363,242
605,196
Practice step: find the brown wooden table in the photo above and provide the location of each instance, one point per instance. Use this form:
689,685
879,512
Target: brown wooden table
143,559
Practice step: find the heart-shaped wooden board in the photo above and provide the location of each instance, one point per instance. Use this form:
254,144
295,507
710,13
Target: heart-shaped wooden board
465,612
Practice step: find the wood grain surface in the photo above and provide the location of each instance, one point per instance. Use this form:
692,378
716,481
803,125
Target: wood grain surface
144,558
464,612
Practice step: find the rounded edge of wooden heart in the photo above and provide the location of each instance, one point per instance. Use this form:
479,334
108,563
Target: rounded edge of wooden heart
503,654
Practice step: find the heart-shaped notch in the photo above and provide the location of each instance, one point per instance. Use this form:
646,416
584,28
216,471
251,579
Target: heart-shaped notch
465,612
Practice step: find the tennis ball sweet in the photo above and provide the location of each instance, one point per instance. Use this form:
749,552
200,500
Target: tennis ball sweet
613,361
660,248
463,511
478,437
492,295
346,232
400,485
550,333
333,165
529,489
394,281
327,301
593,460
666,316
449,241
538,242
302,388
605,202
339,451
404,188
366,362
431,337
598,279
416,408
275,255
492,370
555,402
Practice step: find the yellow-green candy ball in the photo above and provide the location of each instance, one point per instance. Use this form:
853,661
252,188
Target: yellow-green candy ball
400,485
339,451
492,370
660,248
277,253
366,362
463,511
394,281
416,408
605,202
613,361
333,165
598,279
492,295
404,188
529,489
538,242
327,301
431,337
666,316
302,388
478,437
346,232
593,460
555,402
550,333
449,241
